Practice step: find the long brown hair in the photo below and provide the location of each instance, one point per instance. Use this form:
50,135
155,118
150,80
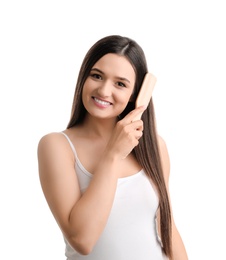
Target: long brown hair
147,152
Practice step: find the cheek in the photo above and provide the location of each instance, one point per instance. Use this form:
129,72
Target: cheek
88,86
128,96
83,94
124,99
85,89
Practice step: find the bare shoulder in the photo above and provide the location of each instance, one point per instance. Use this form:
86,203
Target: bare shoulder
161,141
164,157
162,146
52,141
57,175
54,148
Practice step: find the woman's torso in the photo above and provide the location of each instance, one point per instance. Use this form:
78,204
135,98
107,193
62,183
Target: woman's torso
130,232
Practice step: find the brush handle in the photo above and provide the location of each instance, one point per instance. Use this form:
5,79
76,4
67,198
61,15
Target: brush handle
145,93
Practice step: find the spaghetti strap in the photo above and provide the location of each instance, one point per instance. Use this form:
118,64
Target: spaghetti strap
71,144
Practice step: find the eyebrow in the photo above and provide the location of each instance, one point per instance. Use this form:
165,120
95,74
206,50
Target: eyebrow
100,71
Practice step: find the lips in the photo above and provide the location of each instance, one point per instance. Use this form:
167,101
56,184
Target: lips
102,102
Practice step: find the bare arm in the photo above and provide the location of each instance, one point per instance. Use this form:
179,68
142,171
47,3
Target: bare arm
82,218
179,251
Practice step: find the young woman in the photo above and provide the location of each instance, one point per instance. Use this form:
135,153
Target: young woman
105,177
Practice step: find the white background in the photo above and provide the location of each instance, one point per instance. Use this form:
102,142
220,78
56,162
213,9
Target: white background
42,46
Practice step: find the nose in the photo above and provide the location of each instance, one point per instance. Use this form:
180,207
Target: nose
105,89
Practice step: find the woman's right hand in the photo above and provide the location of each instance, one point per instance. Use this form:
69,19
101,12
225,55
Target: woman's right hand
126,134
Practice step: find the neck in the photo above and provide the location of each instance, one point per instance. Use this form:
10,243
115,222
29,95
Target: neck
99,127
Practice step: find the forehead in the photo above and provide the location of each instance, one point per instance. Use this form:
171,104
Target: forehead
115,64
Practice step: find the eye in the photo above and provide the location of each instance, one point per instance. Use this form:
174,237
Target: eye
95,76
120,84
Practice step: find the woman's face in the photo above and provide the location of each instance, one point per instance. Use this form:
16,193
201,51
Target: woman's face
108,88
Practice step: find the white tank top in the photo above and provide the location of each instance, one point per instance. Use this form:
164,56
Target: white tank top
130,232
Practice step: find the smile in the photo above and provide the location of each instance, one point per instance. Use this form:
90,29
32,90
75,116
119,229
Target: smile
101,102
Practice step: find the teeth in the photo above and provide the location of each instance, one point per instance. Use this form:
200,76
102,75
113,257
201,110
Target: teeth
102,102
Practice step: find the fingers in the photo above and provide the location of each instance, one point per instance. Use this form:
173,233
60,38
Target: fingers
131,126
138,134
128,132
138,129
135,129
126,136
133,115
137,125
